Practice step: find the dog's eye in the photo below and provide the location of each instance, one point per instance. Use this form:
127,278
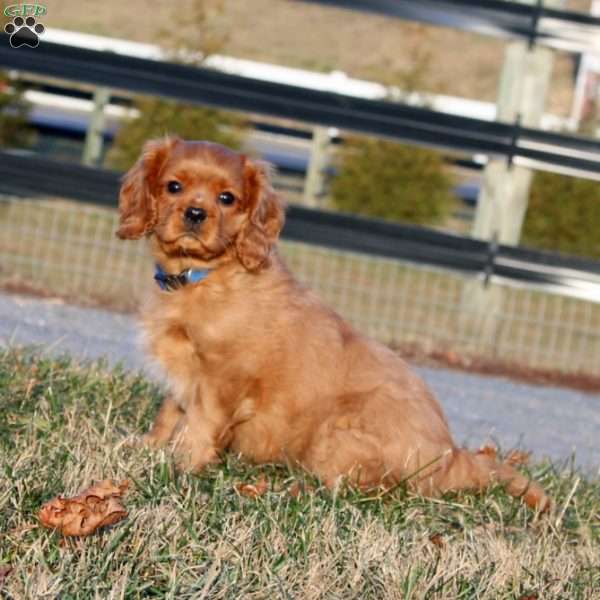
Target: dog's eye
174,187
226,198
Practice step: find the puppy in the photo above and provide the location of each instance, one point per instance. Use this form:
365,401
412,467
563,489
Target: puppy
255,361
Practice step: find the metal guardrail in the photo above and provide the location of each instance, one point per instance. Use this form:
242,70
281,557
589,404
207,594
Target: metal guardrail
535,23
22,174
534,148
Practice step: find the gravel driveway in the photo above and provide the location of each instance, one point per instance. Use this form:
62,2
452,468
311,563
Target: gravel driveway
552,422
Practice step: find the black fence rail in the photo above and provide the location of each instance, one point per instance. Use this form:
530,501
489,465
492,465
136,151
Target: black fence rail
543,150
30,175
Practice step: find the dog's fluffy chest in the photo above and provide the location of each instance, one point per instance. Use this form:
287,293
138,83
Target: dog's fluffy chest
199,344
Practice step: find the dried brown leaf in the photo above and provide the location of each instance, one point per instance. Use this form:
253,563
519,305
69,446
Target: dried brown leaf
95,507
252,490
453,358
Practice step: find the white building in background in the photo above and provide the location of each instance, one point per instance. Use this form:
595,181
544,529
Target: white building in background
586,101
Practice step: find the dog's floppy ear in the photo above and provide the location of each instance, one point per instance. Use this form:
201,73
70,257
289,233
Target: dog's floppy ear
265,216
137,205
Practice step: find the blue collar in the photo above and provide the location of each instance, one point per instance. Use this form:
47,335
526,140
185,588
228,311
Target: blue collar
168,283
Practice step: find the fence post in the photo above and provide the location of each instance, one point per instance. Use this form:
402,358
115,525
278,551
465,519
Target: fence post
504,194
522,94
94,137
314,183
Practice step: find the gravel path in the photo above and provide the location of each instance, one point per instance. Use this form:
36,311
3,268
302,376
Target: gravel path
552,422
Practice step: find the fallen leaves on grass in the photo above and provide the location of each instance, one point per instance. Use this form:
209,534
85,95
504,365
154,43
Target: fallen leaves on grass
253,490
95,507
437,540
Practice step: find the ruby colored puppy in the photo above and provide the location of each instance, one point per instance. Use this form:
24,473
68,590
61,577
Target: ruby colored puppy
255,361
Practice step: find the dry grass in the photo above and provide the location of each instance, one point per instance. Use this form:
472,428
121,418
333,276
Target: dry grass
186,536
324,39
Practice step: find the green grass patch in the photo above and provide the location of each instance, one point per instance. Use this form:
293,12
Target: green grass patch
64,425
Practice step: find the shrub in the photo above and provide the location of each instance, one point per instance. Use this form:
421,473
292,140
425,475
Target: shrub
14,130
383,179
160,117
564,215
204,32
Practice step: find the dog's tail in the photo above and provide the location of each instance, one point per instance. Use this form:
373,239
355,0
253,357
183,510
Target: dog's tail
478,470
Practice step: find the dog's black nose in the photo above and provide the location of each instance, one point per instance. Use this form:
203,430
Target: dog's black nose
195,215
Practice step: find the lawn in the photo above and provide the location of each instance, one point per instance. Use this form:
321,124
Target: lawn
64,425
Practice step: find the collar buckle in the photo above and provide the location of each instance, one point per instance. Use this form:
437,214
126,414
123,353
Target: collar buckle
169,283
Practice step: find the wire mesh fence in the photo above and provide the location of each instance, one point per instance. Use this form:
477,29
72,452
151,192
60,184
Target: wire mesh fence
69,249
